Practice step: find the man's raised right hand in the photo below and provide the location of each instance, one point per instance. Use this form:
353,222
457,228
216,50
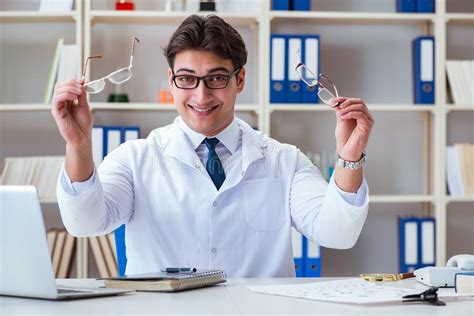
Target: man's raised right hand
74,119
72,114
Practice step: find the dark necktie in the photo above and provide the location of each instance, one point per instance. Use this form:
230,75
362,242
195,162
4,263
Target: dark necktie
214,165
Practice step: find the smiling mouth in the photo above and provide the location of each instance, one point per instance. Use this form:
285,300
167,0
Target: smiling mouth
206,110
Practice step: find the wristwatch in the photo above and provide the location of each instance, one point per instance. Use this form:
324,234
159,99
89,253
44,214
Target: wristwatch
353,165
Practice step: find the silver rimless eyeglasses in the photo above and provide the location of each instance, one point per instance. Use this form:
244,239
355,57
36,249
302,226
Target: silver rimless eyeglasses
117,77
327,91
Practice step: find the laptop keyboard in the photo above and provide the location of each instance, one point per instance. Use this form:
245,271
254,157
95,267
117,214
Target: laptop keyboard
67,291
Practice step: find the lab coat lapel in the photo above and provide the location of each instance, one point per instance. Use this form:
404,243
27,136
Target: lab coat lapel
252,146
177,145
252,150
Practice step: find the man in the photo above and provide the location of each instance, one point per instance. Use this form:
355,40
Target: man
208,191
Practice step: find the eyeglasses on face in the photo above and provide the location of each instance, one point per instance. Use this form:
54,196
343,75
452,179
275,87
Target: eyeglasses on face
218,81
117,77
327,91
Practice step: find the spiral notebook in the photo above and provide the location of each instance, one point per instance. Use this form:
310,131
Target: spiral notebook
167,282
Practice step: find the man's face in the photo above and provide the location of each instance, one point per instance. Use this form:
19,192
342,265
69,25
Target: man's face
206,111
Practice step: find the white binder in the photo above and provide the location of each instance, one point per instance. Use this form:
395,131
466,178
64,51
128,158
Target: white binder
411,243
427,241
311,60
113,139
294,93
277,69
97,144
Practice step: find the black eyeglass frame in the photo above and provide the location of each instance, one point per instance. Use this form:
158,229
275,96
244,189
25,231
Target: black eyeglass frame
204,79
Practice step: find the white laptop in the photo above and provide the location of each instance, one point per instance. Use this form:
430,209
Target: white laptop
25,261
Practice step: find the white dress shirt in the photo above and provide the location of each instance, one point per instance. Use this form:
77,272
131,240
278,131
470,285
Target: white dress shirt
175,216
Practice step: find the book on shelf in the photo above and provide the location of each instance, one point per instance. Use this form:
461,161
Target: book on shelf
41,172
461,81
168,282
63,67
103,251
58,249
53,72
464,282
68,67
62,246
51,237
111,238
98,256
67,255
109,257
56,5
460,169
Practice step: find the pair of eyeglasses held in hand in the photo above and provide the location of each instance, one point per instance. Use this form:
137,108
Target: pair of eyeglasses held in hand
327,91
117,77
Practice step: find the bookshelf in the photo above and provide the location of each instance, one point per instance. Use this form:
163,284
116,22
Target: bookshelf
402,129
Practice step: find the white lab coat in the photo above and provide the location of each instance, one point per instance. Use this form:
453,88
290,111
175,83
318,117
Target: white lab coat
174,215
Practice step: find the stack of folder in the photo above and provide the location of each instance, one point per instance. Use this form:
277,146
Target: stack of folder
106,138
285,85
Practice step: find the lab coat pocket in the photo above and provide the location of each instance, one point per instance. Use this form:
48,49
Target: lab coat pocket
263,203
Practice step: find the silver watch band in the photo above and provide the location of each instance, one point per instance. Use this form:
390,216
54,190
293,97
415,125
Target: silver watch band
352,165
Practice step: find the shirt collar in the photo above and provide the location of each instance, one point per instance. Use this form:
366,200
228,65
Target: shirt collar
229,137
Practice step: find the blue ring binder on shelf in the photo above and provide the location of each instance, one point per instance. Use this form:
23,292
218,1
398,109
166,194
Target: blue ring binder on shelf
310,55
294,91
278,53
424,70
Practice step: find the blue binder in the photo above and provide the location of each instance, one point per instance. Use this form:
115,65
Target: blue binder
112,138
406,6
409,244
312,265
310,55
300,5
130,133
281,5
277,68
120,249
298,251
427,242
425,6
424,70
294,86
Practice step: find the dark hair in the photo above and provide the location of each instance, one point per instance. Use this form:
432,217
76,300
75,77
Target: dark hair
207,33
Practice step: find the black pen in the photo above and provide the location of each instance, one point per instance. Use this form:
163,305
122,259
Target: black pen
178,270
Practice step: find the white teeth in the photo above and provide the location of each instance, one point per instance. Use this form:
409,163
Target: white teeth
203,110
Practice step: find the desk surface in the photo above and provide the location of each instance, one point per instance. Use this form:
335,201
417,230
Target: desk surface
231,297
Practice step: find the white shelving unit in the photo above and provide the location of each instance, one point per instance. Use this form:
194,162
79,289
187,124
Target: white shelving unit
433,195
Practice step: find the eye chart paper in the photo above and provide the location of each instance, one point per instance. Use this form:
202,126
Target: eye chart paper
355,291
